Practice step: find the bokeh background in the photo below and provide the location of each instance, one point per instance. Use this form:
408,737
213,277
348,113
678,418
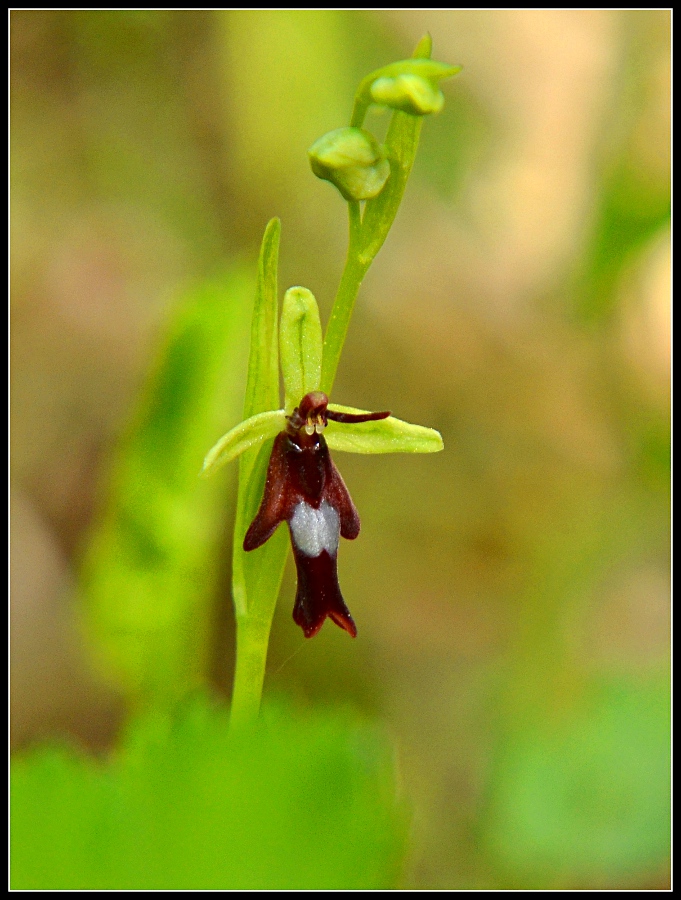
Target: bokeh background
511,593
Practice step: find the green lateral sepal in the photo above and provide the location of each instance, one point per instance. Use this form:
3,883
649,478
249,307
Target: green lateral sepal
389,435
242,437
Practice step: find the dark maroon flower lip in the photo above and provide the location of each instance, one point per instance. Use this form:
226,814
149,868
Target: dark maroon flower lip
318,594
305,489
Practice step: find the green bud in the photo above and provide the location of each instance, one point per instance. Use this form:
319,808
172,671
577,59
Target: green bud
300,345
410,85
409,93
353,160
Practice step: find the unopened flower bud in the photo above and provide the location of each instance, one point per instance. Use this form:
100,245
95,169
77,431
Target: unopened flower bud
409,93
353,160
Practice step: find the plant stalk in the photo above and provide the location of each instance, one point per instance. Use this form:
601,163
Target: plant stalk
252,637
337,329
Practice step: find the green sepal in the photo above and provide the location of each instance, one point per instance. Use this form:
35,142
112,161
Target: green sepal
425,68
262,387
242,437
300,345
389,435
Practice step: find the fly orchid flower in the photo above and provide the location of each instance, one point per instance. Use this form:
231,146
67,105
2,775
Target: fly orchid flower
303,486
305,489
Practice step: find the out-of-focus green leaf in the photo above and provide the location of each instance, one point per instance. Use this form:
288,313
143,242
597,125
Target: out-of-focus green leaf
242,437
632,210
151,563
302,801
301,345
584,796
389,435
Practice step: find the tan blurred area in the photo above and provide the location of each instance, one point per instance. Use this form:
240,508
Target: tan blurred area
491,583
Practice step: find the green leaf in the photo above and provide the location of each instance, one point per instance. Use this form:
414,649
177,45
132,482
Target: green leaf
150,568
243,436
262,386
304,801
256,577
300,344
389,435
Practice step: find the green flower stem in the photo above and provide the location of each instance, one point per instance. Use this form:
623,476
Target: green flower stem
257,574
353,273
355,213
369,231
367,236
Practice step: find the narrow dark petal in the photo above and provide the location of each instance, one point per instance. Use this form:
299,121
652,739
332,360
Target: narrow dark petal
318,594
337,495
277,502
355,417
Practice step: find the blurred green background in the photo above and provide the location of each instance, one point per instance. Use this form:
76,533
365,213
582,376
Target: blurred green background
511,593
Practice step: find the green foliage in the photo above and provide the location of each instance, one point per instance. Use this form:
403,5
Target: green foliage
630,214
586,790
262,386
256,576
150,567
299,802
262,395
